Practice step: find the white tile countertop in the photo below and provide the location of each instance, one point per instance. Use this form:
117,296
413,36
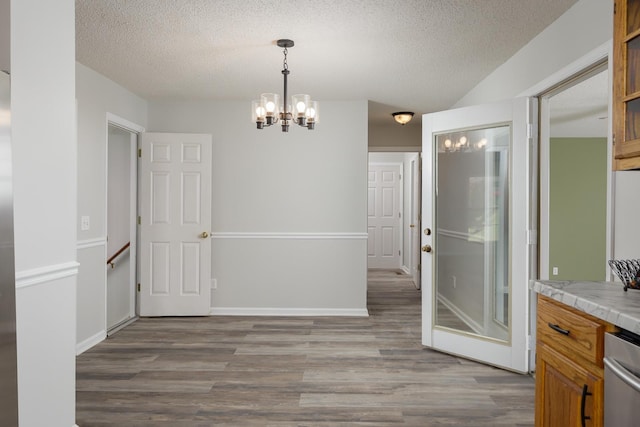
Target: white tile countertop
604,300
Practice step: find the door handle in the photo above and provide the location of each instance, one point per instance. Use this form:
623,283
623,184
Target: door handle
412,225
426,248
204,235
583,404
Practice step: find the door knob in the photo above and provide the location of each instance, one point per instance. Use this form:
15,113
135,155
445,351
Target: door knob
427,231
426,248
204,235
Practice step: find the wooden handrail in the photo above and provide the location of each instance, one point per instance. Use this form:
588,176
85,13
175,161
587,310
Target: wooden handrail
114,256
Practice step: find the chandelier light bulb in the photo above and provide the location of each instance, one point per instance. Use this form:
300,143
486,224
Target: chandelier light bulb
270,107
447,143
311,113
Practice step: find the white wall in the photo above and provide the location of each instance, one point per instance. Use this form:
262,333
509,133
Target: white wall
44,165
584,27
627,206
96,96
306,189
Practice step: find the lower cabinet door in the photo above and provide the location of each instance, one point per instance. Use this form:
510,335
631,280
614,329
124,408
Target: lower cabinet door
567,394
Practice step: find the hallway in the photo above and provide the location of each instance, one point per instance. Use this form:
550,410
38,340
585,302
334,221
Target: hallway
277,371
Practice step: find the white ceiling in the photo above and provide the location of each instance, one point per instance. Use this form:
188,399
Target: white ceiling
417,55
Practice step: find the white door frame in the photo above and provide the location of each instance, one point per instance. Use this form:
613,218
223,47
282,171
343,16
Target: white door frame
135,130
415,167
602,52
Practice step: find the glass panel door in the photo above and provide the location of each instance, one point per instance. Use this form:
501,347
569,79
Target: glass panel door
476,228
472,215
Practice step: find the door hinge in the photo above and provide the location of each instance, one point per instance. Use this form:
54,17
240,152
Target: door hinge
140,152
529,130
419,267
400,177
139,220
138,287
399,214
399,253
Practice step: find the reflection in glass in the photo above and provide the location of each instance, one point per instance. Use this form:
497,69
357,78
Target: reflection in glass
472,215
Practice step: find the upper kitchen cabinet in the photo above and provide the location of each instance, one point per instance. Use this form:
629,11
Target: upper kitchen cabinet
626,84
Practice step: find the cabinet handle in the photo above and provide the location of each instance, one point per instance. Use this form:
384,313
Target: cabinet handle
584,418
559,329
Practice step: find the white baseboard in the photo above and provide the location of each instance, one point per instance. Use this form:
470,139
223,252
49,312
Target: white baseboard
405,269
90,342
475,326
289,312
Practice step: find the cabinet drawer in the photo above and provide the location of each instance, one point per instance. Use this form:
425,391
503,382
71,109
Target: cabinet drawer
570,332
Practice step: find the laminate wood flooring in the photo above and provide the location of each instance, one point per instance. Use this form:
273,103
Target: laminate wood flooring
295,371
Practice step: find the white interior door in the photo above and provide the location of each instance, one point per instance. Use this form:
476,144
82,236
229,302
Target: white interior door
384,215
477,234
175,210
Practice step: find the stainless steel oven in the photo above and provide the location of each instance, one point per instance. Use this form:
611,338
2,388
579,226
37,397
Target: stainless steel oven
621,379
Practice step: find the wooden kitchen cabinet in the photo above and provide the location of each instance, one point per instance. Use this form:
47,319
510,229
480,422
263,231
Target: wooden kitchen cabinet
569,367
626,84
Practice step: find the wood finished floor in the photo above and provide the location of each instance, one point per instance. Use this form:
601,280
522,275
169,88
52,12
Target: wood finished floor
286,371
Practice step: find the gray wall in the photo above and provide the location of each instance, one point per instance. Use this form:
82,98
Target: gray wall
288,209
96,96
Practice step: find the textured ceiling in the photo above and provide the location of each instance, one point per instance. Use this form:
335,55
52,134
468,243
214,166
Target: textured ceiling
420,55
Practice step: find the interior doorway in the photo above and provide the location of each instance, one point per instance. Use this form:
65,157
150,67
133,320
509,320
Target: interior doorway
121,262
575,178
406,247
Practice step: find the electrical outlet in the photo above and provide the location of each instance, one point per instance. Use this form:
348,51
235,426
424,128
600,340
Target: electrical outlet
84,223
214,283
453,281
555,271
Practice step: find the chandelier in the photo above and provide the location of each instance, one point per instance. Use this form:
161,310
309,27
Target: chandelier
267,110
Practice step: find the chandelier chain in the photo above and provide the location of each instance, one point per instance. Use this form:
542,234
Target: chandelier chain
284,63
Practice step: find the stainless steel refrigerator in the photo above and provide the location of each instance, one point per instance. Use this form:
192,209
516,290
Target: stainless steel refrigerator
8,357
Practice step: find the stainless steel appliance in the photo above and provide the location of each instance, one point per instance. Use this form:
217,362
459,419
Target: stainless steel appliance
621,379
8,362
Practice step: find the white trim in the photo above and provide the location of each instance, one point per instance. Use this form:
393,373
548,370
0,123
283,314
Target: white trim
259,311
123,123
91,243
601,52
405,270
460,314
49,273
417,149
85,345
290,236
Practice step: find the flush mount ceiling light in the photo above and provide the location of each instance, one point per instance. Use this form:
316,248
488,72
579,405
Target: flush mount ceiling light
403,117
267,110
